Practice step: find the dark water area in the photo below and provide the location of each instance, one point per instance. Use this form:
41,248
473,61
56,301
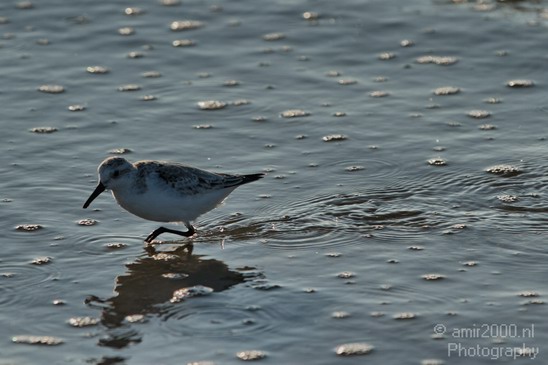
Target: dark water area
404,214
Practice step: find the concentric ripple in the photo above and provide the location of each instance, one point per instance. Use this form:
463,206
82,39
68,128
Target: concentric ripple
340,219
303,224
17,282
213,319
496,198
92,244
397,212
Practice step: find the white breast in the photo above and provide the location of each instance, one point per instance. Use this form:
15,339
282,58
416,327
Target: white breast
167,205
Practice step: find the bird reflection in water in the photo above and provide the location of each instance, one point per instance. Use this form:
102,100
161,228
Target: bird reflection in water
150,282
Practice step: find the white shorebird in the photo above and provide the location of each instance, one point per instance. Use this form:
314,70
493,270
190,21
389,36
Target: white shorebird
165,191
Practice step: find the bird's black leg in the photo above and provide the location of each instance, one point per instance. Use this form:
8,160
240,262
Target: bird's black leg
161,230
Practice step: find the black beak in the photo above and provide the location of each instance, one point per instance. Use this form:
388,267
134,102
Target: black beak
98,190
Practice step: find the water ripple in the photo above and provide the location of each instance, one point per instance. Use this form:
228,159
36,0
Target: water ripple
209,318
18,282
447,201
329,220
99,244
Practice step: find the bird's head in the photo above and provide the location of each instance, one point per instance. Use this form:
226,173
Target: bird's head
113,173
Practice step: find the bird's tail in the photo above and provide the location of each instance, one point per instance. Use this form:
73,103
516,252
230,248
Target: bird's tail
251,177
237,180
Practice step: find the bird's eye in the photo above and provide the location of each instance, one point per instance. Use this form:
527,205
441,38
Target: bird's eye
116,173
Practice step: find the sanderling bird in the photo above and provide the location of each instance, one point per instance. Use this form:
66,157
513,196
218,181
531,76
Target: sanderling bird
165,191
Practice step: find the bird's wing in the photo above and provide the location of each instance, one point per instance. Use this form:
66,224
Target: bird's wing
189,180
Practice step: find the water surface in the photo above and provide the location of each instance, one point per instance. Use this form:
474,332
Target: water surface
405,147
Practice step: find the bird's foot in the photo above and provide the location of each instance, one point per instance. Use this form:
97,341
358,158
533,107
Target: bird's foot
161,230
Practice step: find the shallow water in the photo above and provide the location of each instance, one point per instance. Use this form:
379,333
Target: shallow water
407,190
